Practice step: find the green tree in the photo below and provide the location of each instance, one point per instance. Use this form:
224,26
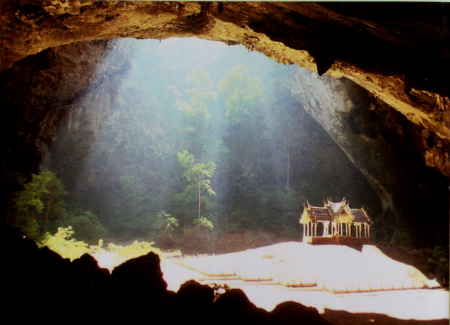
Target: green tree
86,226
198,177
240,92
40,204
166,224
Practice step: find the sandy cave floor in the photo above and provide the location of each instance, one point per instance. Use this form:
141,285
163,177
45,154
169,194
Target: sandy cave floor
325,277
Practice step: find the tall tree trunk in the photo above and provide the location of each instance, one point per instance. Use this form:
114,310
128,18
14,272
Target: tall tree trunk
288,170
47,213
199,199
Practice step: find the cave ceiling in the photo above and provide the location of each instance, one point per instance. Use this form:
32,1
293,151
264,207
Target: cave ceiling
399,52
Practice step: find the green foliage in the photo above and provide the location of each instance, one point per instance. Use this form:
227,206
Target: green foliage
203,223
86,225
198,175
165,223
40,204
200,96
401,237
29,226
197,178
62,243
135,249
241,93
185,159
198,236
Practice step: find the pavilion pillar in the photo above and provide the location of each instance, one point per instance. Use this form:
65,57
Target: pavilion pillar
368,231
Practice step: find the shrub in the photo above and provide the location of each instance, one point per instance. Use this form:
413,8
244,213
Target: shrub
203,223
62,243
41,200
135,249
165,223
86,226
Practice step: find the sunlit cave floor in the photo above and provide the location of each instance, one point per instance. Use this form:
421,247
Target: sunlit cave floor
337,280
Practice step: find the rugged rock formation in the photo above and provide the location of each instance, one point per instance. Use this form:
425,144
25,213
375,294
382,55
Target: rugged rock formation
399,52
386,148
37,94
45,284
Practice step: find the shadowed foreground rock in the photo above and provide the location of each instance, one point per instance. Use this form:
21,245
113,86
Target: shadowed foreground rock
46,284
293,313
42,286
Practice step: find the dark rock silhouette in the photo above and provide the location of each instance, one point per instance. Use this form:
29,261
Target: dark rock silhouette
43,286
194,303
234,307
140,275
294,313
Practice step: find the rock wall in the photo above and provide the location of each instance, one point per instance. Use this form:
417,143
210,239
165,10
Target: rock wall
399,52
387,149
37,95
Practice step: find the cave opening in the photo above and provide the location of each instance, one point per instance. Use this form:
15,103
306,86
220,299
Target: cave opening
157,115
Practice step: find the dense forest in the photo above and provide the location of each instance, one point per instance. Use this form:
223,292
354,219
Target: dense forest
186,136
